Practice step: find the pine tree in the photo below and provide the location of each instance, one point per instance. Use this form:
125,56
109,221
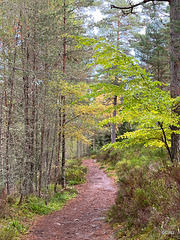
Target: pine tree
152,48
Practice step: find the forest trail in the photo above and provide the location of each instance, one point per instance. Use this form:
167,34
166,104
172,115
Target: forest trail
83,217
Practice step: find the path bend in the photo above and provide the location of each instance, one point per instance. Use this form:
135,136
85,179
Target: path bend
83,217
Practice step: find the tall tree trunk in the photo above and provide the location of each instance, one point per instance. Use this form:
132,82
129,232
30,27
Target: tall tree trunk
33,113
1,160
27,185
26,124
1,110
175,70
11,80
59,151
64,39
46,166
36,144
42,151
1,107
63,104
52,152
63,144
113,129
32,135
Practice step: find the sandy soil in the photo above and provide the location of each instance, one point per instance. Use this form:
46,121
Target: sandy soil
83,217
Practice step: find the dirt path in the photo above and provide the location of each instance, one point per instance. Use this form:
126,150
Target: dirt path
83,217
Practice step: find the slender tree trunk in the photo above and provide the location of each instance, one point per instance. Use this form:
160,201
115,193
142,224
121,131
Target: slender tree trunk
33,115
113,127
11,79
113,130
43,122
78,150
63,144
1,111
32,135
59,151
46,166
63,104
1,160
175,71
52,152
81,149
27,186
87,147
27,171
5,111
47,146
94,141
36,147
64,39
42,151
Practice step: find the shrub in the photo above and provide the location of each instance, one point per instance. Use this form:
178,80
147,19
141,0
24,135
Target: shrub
76,175
75,172
147,202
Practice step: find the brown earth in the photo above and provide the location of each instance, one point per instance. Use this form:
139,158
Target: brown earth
83,217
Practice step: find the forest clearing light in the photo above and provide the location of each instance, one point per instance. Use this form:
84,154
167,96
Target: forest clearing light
97,15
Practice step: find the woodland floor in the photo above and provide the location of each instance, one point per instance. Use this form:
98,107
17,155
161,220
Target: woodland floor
83,217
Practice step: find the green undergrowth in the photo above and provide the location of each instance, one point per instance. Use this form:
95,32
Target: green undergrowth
135,156
15,219
75,172
148,200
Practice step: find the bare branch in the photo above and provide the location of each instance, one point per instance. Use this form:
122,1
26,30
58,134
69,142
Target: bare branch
165,141
131,7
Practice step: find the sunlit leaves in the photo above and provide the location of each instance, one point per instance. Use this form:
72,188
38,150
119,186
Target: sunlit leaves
144,101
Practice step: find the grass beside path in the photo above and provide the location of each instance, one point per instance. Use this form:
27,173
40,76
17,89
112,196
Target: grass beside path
15,219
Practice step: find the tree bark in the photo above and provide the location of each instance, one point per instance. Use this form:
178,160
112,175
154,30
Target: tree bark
175,70
113,129
42,146
27,185
52,152
59,151
78,150
11,78
46,166
63,145
63,104
33,112
36,146
1,160
42,151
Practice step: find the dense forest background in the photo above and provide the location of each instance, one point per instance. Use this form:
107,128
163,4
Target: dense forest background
72,83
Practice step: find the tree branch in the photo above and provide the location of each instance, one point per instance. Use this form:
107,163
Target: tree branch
131,7
165,141
76,117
